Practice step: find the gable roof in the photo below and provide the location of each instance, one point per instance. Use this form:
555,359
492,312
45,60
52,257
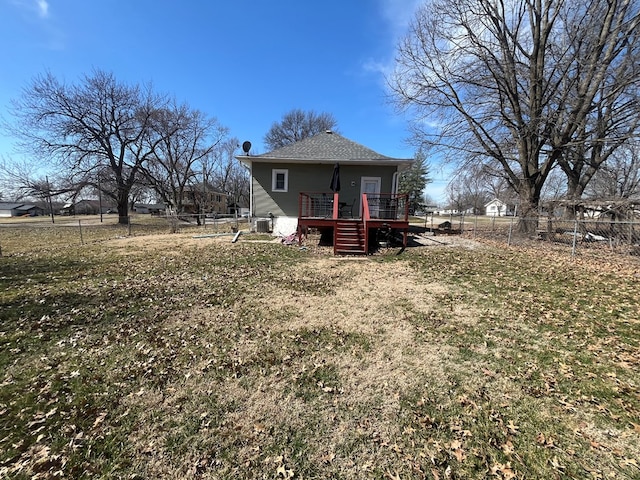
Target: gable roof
325,147
497,201
26,207
10,205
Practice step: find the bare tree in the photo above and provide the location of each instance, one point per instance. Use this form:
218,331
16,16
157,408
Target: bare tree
512,81
182,140
619,178
229,175
555,188
611,118
297,125
96,125
496,184
468,190
455,197
23,180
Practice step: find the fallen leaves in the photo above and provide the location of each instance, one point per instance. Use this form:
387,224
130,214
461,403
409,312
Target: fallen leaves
503,470
180,345
545,441
282,471
512,427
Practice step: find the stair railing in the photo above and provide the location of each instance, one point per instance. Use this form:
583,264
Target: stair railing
366,216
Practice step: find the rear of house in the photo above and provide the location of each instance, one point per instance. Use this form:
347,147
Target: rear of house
330,183
279,177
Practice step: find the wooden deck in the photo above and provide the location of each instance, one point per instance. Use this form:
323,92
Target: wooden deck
354,234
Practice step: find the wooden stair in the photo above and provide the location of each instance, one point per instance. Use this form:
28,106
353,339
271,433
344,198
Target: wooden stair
349,238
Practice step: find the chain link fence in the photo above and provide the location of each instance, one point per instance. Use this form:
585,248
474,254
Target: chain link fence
620,236
86,229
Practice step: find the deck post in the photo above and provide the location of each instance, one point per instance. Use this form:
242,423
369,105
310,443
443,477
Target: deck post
336,205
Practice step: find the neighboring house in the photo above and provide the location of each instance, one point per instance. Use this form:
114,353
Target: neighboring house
14,209
455,211
279,177
496,208
47,207
87,207
197,198
234,207
152,208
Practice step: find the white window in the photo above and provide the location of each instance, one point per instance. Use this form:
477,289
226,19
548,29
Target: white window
279,180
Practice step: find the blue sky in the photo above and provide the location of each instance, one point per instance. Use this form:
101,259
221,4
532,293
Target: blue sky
244,62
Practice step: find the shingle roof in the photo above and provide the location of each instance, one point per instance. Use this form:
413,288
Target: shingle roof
26,207
327,146
10,205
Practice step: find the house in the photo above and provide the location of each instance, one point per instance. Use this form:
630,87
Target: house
196,199
87,207
497,208
292,187
455,211
15,209
152,208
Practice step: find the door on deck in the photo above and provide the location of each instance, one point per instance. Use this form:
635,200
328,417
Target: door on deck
371,185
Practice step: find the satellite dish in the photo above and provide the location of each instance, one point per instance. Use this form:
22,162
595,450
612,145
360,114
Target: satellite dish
246,146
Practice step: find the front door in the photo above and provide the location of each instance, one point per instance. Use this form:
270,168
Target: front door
371,185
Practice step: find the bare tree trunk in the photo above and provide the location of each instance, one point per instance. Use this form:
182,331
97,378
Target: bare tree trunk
529,193
123,207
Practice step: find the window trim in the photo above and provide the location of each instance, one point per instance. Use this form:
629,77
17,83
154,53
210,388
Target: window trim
274,177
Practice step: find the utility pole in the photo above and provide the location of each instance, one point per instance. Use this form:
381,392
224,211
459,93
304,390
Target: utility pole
49,199
100,198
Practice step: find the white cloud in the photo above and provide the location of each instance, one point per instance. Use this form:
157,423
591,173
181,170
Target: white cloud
43,8
398,15
375,66
39,7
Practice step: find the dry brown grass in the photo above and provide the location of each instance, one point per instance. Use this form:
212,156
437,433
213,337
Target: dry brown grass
171,356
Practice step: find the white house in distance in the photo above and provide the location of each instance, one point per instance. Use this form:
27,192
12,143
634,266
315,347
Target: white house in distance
496,208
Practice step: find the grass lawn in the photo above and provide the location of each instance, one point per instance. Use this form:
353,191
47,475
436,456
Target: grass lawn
169,356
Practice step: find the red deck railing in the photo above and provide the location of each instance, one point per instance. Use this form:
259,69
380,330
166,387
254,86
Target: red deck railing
318,205
379,210
379,206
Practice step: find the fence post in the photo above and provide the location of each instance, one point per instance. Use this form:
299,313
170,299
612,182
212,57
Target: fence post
129,225
510,230
575,238
80,228
475,226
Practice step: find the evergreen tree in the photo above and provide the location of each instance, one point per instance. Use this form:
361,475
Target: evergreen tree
413,181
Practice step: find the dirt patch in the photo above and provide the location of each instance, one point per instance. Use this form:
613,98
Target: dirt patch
376,305
172,242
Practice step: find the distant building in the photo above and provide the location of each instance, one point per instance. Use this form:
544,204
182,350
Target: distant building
455,211
86,207
197,199
497,208
15,209
152,208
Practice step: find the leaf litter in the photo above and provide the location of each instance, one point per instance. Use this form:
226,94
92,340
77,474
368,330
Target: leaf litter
201,359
